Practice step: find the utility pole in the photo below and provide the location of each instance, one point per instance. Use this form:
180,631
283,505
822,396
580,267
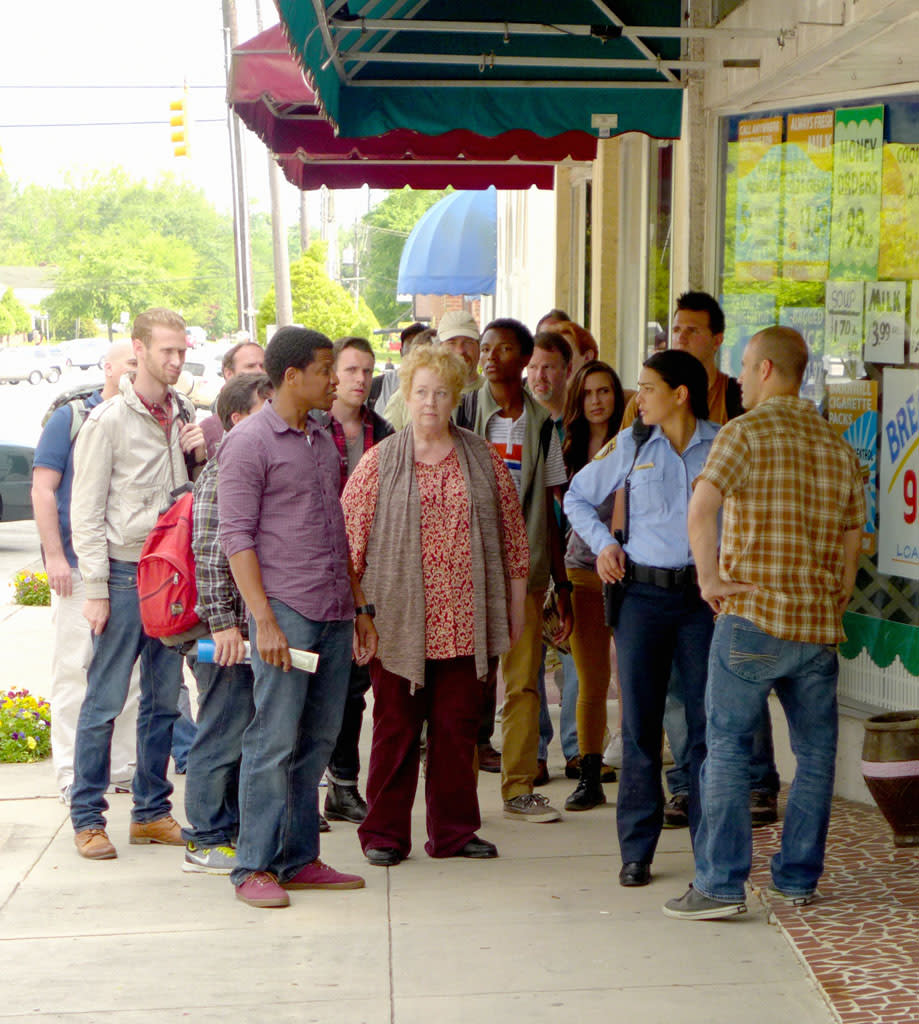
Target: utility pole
283,304
245,300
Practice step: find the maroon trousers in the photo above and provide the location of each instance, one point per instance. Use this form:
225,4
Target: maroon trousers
451,703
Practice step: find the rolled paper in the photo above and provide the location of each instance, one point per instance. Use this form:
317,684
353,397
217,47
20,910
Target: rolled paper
306,661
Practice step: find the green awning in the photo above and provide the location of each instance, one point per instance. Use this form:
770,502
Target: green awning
491,67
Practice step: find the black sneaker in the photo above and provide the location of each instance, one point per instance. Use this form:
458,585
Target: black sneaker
764,807
693,906
676,811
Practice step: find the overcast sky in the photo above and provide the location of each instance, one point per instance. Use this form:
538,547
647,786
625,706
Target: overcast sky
139,54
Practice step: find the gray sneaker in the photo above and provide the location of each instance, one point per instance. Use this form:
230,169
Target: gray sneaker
532,807
789,899
209,860
693,906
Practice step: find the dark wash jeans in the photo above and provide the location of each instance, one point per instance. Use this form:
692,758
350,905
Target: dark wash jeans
287,745
225,709
345,762
745,664
657,629
114,654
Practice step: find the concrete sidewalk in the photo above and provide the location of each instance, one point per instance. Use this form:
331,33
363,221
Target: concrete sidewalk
544,933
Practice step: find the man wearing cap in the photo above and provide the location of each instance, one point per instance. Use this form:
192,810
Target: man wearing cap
458,332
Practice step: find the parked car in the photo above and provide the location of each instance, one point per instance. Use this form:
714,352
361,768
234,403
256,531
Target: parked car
26,362
15,481
86,352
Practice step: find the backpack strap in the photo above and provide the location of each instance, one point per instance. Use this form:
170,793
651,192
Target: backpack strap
78,416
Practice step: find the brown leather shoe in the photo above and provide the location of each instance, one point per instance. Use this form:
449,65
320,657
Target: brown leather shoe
94,844
164,830
542,774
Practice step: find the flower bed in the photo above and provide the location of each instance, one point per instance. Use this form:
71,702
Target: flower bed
31,588
25,727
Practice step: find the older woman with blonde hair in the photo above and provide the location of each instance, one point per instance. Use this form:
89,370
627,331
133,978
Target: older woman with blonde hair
438,539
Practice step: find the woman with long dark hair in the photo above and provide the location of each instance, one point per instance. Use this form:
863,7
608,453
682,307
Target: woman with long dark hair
593,412
662,619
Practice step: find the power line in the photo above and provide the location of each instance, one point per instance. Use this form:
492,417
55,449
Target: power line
113,124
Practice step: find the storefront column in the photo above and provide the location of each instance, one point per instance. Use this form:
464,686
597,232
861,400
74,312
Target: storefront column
605,227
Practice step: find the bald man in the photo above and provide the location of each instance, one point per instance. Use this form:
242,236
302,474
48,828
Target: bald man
794,509
52,479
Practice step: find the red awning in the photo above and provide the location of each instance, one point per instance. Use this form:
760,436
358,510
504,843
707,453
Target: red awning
269,93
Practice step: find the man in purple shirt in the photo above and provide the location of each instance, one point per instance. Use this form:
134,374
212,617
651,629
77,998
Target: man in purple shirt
283,531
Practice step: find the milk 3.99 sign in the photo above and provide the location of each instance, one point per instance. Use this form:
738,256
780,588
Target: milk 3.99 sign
898,497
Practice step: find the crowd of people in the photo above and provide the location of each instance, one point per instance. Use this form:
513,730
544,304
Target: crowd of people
496,504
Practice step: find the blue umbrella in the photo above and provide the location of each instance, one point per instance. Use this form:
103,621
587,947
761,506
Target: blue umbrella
453,249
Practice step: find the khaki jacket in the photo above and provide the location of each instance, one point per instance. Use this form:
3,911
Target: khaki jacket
124,470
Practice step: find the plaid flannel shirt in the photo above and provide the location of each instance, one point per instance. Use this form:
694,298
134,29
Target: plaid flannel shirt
220,603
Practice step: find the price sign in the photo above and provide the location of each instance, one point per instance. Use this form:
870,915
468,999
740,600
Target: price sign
845,301
808,189
899,258
898,494
885,321
858,145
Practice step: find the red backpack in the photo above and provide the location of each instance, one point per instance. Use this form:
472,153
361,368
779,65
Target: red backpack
166,576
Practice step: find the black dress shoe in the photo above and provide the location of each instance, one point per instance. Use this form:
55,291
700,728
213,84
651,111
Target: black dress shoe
324,826
344,803
478,849
383,856
634,874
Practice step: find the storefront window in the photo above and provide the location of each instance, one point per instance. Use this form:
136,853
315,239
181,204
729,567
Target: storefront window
821,233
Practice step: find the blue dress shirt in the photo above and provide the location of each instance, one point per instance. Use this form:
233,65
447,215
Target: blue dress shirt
660,487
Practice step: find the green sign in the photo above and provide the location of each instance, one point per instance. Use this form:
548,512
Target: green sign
855,227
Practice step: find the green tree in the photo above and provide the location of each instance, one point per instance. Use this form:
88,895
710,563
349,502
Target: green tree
319,302
18,313
385,229
58,225
6,323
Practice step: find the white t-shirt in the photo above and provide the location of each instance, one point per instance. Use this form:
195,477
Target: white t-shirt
509,437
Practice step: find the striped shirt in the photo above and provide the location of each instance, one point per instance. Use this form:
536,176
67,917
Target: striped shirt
791,488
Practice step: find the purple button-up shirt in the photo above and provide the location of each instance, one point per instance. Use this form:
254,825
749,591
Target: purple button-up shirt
278,494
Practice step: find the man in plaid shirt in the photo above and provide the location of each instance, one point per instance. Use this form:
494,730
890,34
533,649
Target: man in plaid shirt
225,704
794,508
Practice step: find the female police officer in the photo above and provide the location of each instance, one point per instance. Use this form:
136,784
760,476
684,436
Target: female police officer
662,620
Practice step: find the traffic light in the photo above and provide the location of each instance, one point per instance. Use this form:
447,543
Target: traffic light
179,122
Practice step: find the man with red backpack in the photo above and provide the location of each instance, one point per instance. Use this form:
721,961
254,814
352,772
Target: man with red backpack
131,453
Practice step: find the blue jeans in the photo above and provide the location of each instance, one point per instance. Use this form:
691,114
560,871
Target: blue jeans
225,709
764,776
568,723
183,732
114,654
657,629
745,664
287,745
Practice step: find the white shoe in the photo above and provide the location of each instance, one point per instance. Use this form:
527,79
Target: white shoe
613,753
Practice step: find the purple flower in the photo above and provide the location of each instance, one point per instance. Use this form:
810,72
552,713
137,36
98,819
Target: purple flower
15,736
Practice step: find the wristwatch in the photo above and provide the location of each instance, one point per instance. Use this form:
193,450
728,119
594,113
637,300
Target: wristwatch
561,585
365,609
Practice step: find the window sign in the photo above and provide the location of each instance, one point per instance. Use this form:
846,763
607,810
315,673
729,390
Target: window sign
845,303
808,321
898,498
885,322
857,179
759,199
899,257
808,193
852,411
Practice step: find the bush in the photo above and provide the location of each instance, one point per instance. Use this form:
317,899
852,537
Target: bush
25,727
31,588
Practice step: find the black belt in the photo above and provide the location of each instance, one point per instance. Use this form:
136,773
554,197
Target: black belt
667,579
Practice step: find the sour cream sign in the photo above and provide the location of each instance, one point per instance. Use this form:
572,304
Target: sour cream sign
898,498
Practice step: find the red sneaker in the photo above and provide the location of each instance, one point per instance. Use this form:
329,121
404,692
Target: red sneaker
320,876
261,889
